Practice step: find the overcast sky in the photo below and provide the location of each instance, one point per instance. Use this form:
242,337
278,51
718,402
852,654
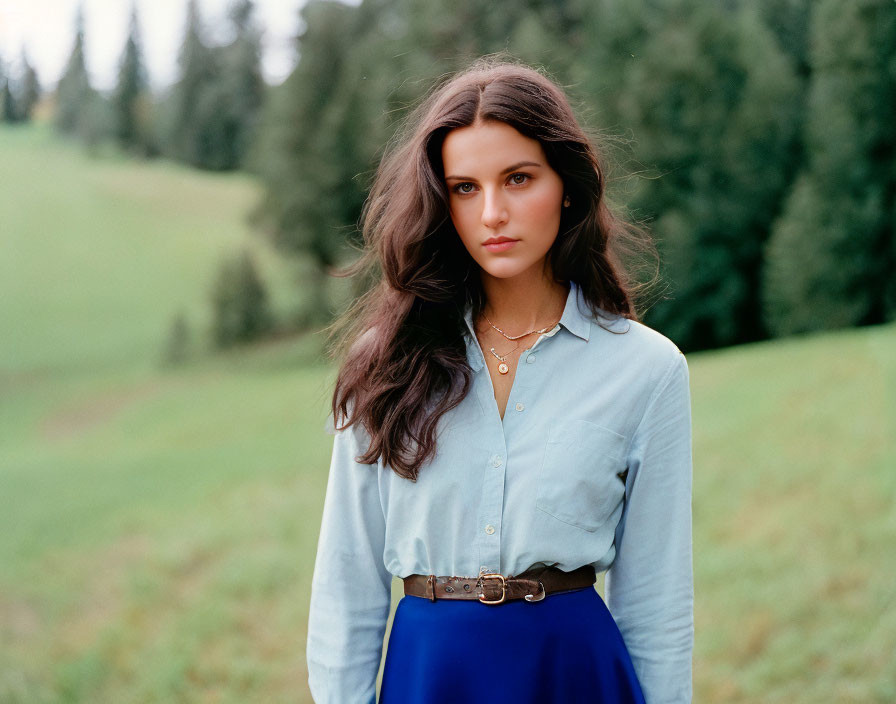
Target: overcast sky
46,29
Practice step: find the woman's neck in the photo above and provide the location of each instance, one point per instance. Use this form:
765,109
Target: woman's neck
519,305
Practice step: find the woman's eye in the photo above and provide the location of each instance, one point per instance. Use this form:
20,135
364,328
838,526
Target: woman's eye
464,188
519,179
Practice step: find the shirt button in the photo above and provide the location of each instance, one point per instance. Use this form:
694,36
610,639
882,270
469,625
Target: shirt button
489,529
519,406
530,359
497,461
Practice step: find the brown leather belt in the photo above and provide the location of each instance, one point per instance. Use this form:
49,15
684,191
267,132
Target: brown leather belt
531,585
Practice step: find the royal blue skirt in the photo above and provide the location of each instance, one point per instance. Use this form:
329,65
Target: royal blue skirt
566,648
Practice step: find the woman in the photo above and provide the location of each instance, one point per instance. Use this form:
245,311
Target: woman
511,428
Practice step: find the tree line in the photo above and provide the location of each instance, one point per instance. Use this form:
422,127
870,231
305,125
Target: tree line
206,119
756,134
759,132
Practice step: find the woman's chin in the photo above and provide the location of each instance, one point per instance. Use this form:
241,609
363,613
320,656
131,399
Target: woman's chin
511,269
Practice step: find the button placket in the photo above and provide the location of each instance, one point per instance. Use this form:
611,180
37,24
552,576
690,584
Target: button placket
494,480
491,509
526,379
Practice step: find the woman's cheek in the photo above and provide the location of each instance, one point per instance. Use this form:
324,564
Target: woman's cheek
544,207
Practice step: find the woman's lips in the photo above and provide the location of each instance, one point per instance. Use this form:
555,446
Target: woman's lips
500,246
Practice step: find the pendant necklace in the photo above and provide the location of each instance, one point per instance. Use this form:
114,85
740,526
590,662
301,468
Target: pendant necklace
502,367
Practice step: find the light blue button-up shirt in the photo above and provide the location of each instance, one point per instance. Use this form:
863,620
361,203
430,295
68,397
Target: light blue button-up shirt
591,464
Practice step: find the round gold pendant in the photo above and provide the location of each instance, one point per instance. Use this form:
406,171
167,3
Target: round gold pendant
503,368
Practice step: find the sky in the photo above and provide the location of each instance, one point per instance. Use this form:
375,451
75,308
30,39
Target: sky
46,29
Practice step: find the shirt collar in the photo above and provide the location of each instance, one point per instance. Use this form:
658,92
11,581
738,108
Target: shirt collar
576,318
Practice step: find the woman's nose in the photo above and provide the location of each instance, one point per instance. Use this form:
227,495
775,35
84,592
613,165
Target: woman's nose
494,209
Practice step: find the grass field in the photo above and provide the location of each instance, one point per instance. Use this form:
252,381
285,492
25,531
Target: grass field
158,526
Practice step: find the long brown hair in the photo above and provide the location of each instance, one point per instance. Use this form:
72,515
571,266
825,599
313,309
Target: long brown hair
406,364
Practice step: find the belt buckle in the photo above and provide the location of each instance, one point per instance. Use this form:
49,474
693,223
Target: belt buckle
494,575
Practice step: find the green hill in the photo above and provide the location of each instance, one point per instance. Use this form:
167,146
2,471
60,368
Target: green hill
99,254
158,527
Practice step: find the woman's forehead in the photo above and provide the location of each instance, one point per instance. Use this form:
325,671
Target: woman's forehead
487,147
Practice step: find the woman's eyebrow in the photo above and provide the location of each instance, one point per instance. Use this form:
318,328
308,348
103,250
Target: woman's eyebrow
514,167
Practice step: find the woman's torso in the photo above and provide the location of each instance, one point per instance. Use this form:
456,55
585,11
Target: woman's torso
544,480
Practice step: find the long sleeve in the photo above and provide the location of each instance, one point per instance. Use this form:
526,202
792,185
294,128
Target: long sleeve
649,586
350,587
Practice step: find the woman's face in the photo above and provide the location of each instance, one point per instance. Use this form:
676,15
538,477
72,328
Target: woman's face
500,186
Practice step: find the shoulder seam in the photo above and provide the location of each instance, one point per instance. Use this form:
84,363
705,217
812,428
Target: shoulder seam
661,385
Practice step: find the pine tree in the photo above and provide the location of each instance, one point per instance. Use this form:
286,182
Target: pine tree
832,253
185,140
7,105
240,303
245,85
229,98
304,179
74,93
129,96
9,111
30,90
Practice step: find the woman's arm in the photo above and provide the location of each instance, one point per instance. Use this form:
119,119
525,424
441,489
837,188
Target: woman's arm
350,589
649,586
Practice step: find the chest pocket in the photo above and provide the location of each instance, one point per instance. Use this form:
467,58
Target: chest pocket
579,480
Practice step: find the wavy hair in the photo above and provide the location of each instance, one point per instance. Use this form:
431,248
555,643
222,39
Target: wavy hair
406,364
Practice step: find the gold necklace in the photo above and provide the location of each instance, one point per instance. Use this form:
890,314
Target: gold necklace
517,337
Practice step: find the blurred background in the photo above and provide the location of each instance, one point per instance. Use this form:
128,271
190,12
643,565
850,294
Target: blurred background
178,181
